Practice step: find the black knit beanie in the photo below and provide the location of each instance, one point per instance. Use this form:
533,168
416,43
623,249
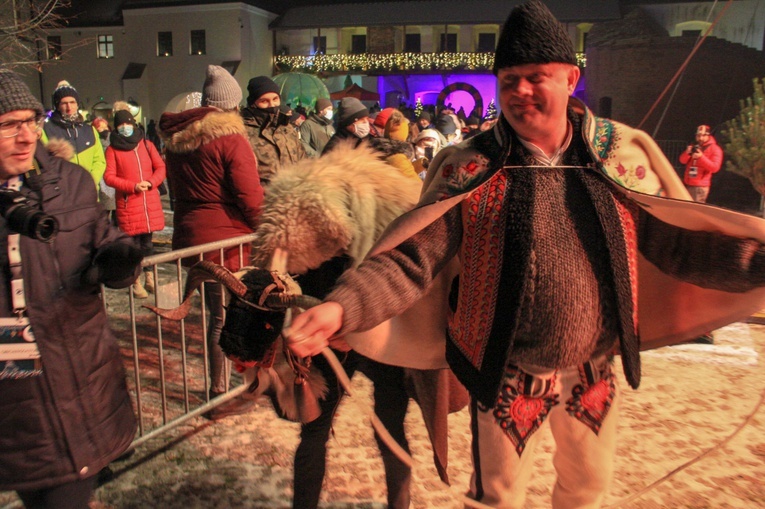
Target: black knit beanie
445,125
123,117
64,90
349,111
532,35
425,116
258,86
15,95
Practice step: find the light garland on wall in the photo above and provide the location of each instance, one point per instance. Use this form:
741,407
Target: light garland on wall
391,62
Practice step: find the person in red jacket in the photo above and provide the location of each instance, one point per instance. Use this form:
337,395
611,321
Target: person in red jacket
214,175
135,170
701,161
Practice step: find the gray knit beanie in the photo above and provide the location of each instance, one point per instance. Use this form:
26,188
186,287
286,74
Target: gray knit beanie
15,95
220,90
532,35
322,103
349,111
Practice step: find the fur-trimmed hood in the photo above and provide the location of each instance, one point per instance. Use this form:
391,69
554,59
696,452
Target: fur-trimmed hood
186,131
337,204
60,148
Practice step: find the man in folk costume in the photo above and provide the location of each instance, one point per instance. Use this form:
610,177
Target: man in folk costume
558,220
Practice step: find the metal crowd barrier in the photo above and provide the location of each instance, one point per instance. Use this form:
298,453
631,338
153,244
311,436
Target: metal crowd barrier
169,376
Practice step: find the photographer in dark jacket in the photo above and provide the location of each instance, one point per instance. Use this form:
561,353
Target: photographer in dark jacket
66,412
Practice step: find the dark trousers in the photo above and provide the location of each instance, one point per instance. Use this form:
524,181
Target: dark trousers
390,405
144,242
391,402
73,495
217,359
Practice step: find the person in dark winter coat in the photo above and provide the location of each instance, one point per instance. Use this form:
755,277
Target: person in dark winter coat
318,129
66,123
66,411
214,175
135,170
273,139
352,124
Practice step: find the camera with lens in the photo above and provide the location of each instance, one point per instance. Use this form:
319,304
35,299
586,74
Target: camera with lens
696,148
25,219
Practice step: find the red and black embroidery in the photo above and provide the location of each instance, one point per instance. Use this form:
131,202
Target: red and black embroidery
590,400
521,409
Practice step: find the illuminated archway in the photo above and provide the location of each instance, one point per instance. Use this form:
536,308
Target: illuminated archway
464,87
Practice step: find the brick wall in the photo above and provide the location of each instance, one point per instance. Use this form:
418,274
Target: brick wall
380,40
633,73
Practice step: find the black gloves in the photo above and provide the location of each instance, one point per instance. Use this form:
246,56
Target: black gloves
116,265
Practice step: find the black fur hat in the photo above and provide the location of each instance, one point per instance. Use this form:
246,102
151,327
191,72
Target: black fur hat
532,35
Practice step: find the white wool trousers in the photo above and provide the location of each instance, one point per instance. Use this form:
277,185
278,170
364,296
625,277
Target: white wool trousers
583,459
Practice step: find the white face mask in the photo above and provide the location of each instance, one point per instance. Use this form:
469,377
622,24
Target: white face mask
328,114
361,129
125,130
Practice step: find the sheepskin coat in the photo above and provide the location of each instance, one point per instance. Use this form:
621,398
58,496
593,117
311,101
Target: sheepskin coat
214,177
320,208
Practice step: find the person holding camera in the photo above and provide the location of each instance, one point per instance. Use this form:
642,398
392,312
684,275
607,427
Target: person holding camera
701,160
66,411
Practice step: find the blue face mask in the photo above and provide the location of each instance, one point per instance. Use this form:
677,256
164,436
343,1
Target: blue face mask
125,130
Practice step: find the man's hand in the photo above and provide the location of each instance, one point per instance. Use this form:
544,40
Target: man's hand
310,330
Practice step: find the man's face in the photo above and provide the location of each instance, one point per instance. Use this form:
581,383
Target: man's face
268,100
17,152
534,97
67,107
702,137
423,122
362,123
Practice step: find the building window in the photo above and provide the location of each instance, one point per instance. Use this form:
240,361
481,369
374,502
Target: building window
105,46
358,44
164,44
198,42
320,45
449,43
54,47
412,43
487,43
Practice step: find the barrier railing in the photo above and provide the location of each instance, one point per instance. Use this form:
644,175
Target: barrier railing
167,362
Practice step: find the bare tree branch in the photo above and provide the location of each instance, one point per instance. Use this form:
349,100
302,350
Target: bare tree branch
24,29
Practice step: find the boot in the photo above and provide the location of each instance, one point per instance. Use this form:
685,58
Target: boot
148,283
138,290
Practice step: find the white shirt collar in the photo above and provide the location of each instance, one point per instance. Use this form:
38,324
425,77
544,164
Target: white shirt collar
553,159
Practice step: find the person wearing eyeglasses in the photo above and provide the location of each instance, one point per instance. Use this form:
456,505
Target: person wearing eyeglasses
66,411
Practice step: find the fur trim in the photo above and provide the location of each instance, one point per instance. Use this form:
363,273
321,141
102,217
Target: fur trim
120,106
60,148
339,203
215,124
